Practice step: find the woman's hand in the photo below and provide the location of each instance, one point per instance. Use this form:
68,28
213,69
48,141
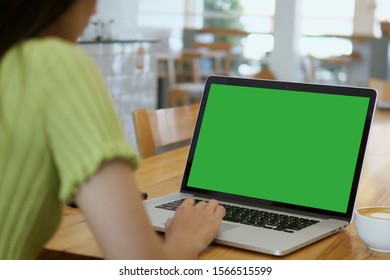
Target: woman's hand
114,211
194,226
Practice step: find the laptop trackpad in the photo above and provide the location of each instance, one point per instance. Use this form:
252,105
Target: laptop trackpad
226,227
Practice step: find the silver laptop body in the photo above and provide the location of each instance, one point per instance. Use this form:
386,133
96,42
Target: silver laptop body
292,150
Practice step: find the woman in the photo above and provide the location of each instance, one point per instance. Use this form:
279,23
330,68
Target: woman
60,140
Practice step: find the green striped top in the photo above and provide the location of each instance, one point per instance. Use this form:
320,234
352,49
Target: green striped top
57,125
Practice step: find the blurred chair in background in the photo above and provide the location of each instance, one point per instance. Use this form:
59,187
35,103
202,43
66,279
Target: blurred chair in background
164,129
181,92
265,72
332,69
220,54
383,88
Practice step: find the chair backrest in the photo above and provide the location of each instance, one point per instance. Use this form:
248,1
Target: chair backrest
266,74
163,127
221,66
382,86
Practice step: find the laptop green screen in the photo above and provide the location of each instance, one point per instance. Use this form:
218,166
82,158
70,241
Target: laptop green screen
296,147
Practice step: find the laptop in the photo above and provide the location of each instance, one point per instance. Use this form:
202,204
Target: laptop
285,159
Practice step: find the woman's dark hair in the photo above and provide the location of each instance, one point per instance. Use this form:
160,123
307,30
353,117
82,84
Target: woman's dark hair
24,19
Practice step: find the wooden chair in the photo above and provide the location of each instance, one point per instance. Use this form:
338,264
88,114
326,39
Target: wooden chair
163,128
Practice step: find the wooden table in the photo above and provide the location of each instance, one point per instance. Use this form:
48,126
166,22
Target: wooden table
161,174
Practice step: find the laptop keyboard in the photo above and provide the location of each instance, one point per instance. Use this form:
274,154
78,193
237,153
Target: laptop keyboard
254,217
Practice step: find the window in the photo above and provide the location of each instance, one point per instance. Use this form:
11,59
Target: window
167,16
331,17
253,17
164,22
327,17
247,15
382,14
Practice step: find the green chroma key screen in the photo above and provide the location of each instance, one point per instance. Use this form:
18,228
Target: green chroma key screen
291,147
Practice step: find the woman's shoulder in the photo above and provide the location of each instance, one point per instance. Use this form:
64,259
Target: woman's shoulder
53,56
42,52
51,48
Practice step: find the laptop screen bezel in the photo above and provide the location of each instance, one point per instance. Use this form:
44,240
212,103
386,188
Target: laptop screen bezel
291,86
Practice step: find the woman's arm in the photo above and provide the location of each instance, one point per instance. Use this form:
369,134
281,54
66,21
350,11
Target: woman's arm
115,213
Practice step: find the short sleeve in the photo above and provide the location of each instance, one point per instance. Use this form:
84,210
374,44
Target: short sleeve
83,129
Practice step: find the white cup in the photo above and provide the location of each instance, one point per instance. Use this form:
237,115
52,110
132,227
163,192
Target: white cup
373,227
